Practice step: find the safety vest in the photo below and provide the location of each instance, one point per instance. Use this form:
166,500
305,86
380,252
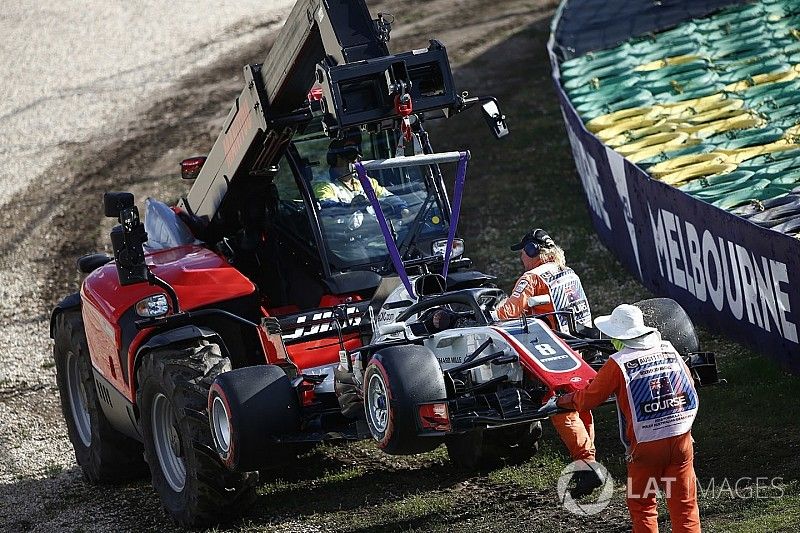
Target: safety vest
566,292
661,394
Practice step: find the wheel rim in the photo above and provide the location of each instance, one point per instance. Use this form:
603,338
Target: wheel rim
77,400
221,424
167,443
377,405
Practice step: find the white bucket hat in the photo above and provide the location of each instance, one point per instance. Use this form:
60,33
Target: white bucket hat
626,323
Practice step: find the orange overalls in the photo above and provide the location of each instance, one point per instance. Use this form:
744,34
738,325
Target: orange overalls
576,429
656,403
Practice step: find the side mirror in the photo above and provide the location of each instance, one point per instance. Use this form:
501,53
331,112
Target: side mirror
494,118
542,299
127,238
115,202
190,168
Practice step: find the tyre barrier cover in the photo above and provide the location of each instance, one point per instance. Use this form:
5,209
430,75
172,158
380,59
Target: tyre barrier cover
733,275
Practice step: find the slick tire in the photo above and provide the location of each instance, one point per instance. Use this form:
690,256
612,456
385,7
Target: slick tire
104,454
671,320
248,408
396,381
195,488
485,449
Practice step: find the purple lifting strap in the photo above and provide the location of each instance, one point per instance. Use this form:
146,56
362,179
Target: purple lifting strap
458,189
394,253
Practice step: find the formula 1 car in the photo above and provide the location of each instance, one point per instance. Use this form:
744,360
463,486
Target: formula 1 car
438,369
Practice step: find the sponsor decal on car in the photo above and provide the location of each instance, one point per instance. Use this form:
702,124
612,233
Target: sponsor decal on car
296,328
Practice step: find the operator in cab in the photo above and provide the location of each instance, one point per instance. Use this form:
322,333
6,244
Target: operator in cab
546,274
343,188
656,404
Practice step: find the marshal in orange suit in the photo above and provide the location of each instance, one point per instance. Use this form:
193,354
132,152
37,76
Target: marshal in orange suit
657,404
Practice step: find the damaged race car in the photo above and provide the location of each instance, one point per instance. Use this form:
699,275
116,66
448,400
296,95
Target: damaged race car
441,371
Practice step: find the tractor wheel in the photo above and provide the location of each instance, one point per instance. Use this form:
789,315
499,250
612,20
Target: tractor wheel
195,487
397,380
103,453
671,320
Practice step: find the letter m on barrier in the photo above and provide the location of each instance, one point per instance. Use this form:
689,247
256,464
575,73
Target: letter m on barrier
660,242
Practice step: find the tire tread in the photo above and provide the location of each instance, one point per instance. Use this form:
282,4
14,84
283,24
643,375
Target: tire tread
186,374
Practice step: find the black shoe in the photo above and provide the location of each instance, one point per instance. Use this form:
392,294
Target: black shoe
585,483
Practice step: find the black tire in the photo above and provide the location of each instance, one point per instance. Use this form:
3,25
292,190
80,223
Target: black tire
672,321
173,401
248,407
467,450
485,449
409,375
517,443
108,456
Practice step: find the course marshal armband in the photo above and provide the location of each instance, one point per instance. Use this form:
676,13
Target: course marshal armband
520,287
661,394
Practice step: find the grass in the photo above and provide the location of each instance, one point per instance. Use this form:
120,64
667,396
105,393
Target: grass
540,473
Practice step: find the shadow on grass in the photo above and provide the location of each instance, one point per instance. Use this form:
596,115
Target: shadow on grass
322,482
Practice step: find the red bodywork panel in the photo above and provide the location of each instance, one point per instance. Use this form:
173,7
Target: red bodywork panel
312,354
199,276
547,357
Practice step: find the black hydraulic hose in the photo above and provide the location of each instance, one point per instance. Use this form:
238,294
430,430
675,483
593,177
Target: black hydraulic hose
173,296
187,316
477,352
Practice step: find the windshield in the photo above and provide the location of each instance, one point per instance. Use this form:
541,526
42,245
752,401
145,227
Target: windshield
349,226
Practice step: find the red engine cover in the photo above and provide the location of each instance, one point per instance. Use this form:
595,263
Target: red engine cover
199,276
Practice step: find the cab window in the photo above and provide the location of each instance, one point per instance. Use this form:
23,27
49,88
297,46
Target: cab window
291,213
